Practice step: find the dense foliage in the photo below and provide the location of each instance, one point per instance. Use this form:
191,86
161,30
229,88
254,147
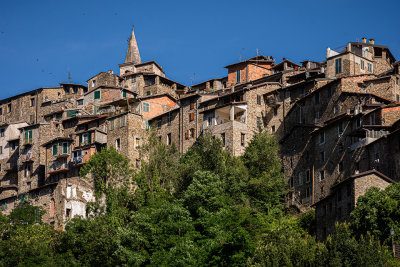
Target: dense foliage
203,208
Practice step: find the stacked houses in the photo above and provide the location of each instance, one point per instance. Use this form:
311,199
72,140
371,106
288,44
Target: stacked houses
337,124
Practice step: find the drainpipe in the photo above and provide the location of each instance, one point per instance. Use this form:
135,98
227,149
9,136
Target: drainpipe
312,192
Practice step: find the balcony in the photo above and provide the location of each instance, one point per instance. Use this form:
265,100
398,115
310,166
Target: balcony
58,167
28,142
273,101
62,155
229,116
29,157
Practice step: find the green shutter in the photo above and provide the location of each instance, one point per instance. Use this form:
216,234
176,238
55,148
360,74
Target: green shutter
26,135
30,134
71,113
97,95
65,148
124,94
55,150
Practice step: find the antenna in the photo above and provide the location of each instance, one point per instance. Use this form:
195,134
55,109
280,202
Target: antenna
69,77
193,78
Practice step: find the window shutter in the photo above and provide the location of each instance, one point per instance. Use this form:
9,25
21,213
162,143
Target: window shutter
80,139
187,134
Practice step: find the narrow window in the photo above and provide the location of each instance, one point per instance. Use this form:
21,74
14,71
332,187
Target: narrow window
146,107
242,139
9,107
75,89
238,76
55,150
336,108
2,130
362,64
1,111
340,129
191,117
223,139
308,176
124,94
97,95
275,112
169,140
322,175
322,138
123,121
191,105
369,67
137,142
32,102
258,100
111,124
291,182
65,148
338,65
273,128
317,117
169,119
93,83
322,156
1,149
118,144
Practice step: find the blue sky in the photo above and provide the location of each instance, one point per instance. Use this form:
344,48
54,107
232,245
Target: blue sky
41,41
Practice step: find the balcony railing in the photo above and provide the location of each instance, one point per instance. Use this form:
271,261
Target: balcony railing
28,141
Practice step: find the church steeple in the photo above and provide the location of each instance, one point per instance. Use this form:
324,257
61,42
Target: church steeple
133,56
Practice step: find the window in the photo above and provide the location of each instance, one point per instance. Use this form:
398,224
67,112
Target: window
148,93
317,117
322,156
300,178
322,138
93,83
147,125
340,129
111,124
308,176
32,102
338,65
336,108
362,64
9,107
75,89
2,130
316,98
137,142
118,144
146,107
341,166
273,129
55,150
29,185
242,139
372,119
191,105
191,117
308,191
1,111
321,175
340,148
259,122
97,95
291,182
65,148
397,82
79,102
275,112
209,121
369,67
223,139
169,119
123,121
159,124
258,100
358,122
13,145
169,139
124,94
238,76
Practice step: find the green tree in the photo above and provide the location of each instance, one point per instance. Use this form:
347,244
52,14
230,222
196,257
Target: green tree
266,185
376,212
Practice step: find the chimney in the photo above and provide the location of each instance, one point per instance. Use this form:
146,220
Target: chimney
371,41
364,40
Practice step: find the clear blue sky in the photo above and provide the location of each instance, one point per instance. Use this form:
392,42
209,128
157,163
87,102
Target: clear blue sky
41,41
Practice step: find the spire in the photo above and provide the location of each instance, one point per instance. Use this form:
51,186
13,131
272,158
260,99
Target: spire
133,56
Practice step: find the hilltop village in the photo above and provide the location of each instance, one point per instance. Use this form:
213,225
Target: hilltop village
337,123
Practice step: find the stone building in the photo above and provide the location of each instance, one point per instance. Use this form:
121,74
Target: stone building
337,124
